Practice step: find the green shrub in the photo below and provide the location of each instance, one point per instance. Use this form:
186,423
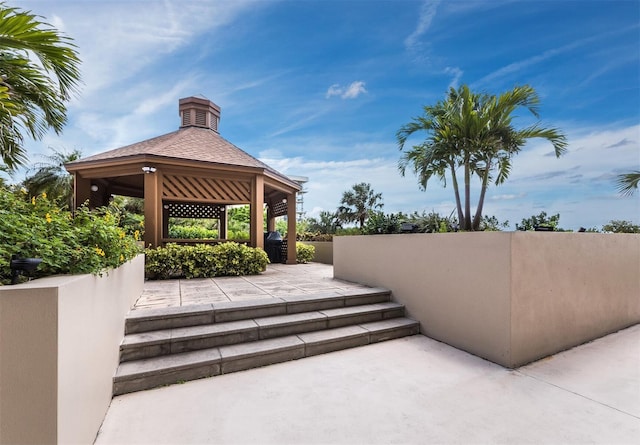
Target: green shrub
89,242
305,253
204,261
192,232
315,236
379,223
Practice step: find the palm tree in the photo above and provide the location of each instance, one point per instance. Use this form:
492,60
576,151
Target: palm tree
358,202
628,183
32,93
474,132
52,178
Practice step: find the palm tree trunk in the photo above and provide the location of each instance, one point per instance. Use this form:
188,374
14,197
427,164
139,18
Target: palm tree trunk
467,195
483,190
456,191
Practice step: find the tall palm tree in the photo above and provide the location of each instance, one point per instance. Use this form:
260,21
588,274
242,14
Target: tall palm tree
358,202
628,182
474,132
52,178
33,93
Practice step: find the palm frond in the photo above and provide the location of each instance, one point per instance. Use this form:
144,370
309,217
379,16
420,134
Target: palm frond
627,183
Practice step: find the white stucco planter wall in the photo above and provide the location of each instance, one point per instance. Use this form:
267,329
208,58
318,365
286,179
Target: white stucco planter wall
510,297
59,347
324,251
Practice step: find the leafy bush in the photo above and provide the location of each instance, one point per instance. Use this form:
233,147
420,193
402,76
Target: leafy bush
88,242
192,232
304,253
618,226
204,261
379,223
315,236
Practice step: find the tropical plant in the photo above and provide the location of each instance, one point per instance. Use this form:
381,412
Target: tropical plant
432,222
358,202
33,93
618,226
492,224
379,223
542,220
327,222
50,177
628,183
473,132
87,242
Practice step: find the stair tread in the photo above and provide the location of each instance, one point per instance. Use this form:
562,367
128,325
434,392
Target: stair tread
259,347
172,362
146,313
140,368
279,320
332,334
365,308
182,333
390,323
167,335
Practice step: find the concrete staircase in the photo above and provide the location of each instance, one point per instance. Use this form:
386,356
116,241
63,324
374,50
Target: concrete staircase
170,345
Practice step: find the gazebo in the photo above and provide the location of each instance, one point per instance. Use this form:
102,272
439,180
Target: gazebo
192,172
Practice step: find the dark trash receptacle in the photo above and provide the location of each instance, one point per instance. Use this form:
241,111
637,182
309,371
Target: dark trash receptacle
273,246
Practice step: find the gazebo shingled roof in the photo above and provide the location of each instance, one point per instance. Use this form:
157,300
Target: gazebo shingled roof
187,143
193,164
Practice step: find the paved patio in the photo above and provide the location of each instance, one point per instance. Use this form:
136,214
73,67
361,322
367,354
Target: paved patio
278,280
410,390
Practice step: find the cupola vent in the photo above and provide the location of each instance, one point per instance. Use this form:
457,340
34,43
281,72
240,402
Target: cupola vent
199,112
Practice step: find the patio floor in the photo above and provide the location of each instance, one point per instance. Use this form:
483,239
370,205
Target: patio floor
278,280
410,390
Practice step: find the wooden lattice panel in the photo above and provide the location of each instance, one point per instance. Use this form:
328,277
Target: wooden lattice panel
191,210
216,189
279,208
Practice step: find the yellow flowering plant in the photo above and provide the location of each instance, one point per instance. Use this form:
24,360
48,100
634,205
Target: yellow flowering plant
84,242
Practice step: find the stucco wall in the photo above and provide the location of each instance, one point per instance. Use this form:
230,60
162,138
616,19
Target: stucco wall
59,340
569,288
324,251
510,297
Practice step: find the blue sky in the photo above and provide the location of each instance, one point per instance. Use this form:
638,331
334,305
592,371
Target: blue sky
318,88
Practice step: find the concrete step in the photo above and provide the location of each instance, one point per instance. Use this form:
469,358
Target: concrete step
168,369
183,339
146,320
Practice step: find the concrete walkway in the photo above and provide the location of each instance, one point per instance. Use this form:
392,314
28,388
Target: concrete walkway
412,390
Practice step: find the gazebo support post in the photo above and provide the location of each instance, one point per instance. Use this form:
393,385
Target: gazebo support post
271,220
257,212
82,190
152,210
222,223
291,229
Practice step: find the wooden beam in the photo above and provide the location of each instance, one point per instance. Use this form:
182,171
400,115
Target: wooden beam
81,190
257,212
153,209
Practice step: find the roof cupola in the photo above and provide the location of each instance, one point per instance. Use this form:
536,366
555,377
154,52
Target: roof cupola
199,112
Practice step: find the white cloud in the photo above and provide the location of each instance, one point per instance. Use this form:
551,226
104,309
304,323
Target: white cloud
548,54
427,13
456,73
350,91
